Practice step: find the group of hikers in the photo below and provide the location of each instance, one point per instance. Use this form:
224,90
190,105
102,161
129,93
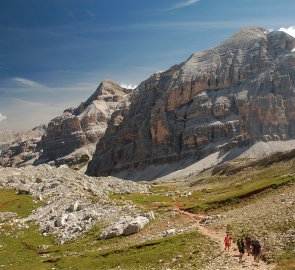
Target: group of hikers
252,246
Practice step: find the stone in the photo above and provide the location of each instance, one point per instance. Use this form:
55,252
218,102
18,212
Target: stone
136,225
116,229
38,180
74,207
61,221
150,215
170,232
39,198
23,189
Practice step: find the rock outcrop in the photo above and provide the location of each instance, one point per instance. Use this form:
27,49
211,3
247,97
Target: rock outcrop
23,148
74,202
127,225
79,129
234,94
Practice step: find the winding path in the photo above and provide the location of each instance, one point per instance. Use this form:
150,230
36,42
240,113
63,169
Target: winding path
224,259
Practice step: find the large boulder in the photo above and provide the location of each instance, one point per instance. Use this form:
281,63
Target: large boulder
127,225
136,225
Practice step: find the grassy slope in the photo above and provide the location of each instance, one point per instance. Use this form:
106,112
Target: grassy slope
22,250
209,193
221,192
25,248
21,204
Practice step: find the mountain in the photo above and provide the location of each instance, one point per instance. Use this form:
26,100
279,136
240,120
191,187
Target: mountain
229,96
68,138
73,134
21,148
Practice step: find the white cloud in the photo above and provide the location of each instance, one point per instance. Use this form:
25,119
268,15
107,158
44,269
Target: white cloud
26,82
23,85
290,30
2,117
128,85
184,3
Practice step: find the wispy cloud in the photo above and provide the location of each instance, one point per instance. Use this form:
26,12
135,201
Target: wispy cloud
128,85
2,117
289,30
90,14
26,82
184,3
23,85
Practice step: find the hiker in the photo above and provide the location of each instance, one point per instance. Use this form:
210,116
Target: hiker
227,241
256,249
248,244
241,248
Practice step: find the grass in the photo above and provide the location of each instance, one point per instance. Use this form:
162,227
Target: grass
25,248
141,256
21,250
205,200
21,204
20,247
233,192
146,201
287,260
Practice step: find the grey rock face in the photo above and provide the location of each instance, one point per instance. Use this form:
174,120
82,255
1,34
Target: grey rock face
234,94
82,126
22,148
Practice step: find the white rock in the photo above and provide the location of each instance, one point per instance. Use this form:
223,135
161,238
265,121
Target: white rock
170,232
74,207
136,225
117,229
150,215
61,221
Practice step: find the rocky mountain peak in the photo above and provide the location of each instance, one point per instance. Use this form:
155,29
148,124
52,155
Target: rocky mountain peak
108,88
234,94
77,130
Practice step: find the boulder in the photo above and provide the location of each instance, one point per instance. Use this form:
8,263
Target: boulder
136,225
117,229
150,215
61,221
74,207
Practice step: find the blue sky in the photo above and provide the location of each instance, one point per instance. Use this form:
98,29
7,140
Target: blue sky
54,53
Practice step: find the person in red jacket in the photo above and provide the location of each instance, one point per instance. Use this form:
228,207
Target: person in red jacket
248,241
227,242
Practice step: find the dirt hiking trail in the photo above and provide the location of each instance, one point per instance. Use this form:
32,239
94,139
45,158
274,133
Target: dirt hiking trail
224,259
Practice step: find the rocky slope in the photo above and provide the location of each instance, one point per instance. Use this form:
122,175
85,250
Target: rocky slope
68,137
82,127
22,148
74,202
232,95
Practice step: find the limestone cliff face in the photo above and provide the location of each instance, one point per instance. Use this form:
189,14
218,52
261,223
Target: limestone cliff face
21,148
234,94
85,125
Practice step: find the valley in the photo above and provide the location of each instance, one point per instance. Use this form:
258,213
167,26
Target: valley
191,217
